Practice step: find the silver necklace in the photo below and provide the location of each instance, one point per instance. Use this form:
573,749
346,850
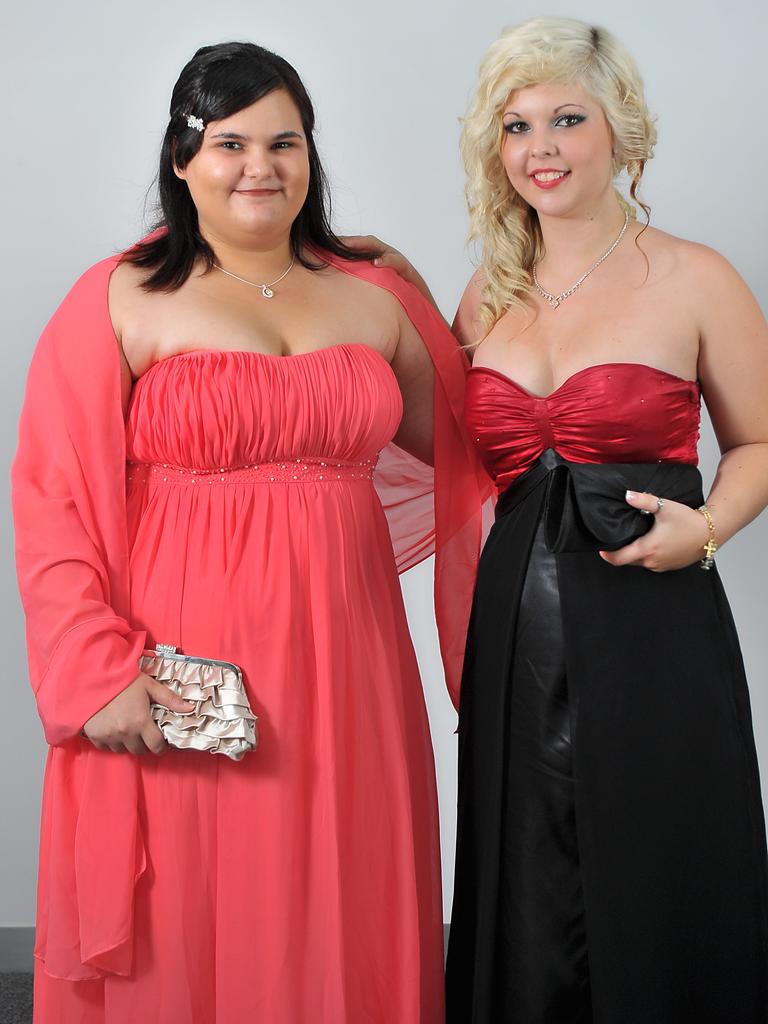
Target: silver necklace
266,289
555,300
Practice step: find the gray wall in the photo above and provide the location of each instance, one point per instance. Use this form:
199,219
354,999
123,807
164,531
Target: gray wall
85,87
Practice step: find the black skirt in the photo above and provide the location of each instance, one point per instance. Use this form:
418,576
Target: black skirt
611,857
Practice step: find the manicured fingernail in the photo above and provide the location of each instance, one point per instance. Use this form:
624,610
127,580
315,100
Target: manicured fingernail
377,262
630,495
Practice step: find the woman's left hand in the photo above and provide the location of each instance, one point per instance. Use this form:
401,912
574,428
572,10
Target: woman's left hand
676,539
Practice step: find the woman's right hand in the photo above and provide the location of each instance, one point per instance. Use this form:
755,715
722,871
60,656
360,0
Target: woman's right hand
391,258
387,256
125,725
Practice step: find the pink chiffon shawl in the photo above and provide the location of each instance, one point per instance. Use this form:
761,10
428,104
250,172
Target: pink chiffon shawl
68,483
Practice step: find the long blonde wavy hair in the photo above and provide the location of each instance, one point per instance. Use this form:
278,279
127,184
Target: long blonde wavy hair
542,50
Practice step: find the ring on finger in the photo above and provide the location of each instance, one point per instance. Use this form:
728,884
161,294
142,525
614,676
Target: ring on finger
659,507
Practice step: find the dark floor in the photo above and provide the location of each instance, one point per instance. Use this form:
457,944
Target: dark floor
15,998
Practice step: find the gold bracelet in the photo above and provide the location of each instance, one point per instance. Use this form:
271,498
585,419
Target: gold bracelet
711,546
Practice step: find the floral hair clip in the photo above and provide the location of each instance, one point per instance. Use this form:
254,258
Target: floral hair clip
194,122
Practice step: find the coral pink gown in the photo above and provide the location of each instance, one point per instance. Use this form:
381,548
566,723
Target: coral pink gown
301,884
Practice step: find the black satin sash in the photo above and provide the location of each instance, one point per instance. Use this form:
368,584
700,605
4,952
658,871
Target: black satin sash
585,508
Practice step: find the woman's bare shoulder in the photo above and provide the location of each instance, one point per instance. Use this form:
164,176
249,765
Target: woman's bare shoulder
727,314
130,303
132,309
466,323
477,282
127,282
372,300
693,259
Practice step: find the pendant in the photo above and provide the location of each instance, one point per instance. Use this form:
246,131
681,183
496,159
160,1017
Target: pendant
553,302
266,292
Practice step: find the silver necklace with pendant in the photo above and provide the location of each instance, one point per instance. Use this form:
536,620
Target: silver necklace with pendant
555,300
266,289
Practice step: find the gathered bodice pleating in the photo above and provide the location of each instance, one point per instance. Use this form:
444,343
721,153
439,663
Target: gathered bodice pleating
207,410
612,412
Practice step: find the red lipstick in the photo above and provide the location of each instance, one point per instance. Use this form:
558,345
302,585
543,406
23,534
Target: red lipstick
564,175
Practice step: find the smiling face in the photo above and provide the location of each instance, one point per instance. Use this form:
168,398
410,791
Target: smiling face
250,178
557,149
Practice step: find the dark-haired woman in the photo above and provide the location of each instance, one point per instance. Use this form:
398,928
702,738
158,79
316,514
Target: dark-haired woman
196,467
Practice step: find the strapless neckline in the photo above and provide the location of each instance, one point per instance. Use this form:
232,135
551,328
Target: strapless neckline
607,412
572,378
227,408
247,353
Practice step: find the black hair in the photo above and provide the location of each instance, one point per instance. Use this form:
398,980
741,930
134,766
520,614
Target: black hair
217,82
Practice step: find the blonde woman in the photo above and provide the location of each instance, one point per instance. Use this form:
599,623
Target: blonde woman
611,859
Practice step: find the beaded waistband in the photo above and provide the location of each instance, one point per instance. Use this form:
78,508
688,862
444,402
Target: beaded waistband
288,471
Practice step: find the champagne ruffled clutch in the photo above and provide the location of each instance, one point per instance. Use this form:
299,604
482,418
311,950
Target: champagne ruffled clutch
222,721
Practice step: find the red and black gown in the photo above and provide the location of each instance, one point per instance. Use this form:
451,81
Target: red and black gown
611,856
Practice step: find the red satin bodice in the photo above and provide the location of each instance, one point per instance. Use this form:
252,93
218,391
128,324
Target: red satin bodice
613,412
